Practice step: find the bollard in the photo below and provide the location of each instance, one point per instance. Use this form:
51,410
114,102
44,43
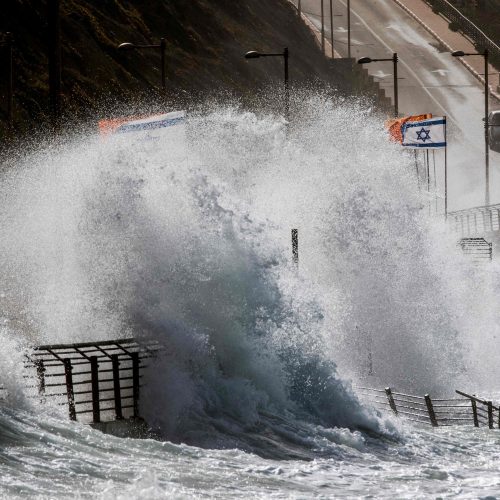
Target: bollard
295,246
430,409
68,369
116,386
390,398
94,374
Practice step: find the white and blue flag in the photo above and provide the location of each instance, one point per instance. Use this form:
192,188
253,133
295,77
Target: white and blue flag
429,134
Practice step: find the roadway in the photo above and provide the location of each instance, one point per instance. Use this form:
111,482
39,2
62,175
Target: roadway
430,81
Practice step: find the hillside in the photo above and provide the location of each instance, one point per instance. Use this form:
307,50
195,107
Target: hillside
206,41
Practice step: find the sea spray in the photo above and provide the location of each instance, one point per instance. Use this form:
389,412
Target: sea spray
104,239
187,241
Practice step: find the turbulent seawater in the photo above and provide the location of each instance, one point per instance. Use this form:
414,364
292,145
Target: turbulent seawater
185,239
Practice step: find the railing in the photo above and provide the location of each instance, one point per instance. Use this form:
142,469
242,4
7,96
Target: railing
476,220
477,249
101,379
465,410
466,26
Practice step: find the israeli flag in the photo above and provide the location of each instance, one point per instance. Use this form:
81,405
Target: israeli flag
153,122
429,134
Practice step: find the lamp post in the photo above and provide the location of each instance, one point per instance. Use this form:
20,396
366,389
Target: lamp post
331,26
161,46
394,59
54,29
323,26
349,29
485,54
9,41
255,55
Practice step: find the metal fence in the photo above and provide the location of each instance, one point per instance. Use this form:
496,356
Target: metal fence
467,409
97,379
466,26
475,221
477,249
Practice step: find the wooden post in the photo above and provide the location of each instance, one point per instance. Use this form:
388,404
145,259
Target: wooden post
390,398
135,382
430,409
295,246
116,386
40,371
68,369
474,413
490,414
94,373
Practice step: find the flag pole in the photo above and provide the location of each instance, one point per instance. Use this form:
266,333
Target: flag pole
445,171
416,169
426,160
435,181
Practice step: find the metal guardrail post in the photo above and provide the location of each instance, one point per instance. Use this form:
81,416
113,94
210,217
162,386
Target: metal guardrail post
135,380
390,398
94,373
474,413
116,386
430,409
490,414
40,372
68,372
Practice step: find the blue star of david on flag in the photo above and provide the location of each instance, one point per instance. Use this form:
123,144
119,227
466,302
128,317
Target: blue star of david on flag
430,134
423,135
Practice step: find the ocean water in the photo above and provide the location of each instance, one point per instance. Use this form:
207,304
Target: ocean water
185,238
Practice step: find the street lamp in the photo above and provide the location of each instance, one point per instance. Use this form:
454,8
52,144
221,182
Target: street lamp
162,46
8,43
394,59
255,55
349,29
485,54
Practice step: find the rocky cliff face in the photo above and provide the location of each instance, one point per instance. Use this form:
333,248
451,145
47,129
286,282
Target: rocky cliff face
206,40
